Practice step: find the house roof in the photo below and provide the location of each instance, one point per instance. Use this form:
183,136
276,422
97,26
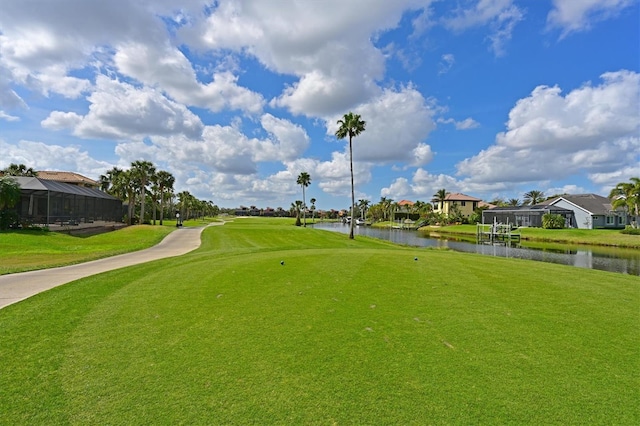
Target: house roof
487,205
527,208
591,203
405,203
67,177
37,184
460,197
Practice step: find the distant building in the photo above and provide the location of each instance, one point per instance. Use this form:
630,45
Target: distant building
526,215
405,211
68,177
592,211
465,204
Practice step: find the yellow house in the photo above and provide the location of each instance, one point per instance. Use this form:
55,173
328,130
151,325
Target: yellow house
465,204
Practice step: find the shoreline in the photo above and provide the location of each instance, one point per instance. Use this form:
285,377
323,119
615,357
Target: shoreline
634,245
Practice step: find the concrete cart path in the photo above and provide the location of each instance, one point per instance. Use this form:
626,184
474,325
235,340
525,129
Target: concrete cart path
17,287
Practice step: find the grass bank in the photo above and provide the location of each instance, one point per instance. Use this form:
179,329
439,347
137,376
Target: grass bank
28,250
602,237
344,332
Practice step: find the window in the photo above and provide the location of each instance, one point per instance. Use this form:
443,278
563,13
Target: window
611,220
463,203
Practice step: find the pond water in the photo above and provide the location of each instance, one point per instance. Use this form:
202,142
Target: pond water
625,261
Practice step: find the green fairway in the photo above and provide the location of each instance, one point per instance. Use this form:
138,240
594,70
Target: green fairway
343,332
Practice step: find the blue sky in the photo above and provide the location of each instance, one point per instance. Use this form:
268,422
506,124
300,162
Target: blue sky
236,98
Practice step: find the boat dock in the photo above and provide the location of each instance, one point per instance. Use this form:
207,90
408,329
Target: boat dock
496,234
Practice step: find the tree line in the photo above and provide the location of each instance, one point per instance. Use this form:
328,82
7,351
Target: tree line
143,185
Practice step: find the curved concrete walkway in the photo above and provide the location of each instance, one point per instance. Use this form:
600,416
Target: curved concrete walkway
17,287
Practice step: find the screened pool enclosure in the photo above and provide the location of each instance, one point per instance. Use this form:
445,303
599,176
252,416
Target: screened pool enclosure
47,202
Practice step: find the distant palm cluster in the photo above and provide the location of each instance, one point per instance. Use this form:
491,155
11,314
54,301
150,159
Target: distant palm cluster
145,185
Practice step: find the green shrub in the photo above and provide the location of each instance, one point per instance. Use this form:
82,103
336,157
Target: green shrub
552,221
8,219
631,231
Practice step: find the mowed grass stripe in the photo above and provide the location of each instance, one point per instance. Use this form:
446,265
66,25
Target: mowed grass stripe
345,331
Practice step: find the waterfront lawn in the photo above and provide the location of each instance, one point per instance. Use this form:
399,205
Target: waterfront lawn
27,250
604,237
344,332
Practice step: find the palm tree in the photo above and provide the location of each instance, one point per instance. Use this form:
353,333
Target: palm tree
105,183
533,197
154,194
109,181
304,180
627,195
514,202
143,172
498,202
313,209
186,202
350,125
363,205
116,182
393,207
121,184
439,197
165,181
295,209
385,205
422,208
19,170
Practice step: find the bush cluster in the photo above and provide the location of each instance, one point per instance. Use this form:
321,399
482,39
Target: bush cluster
552,221
631,231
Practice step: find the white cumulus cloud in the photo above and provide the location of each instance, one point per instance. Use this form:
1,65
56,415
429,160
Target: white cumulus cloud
592,128
579,15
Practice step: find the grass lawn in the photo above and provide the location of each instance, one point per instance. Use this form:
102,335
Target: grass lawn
604,237
27,250
344,332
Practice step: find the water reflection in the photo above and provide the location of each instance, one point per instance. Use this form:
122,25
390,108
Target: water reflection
623,261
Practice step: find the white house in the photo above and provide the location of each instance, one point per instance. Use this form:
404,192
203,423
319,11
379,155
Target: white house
591,211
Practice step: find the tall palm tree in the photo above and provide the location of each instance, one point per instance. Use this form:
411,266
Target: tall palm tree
154,195
165,181
533,197
295,209
439,197
393,208
186,203
313,209
351,125
385,204
127,181
304,180
363,205
143,172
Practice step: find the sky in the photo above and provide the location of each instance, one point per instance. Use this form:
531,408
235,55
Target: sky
490,98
